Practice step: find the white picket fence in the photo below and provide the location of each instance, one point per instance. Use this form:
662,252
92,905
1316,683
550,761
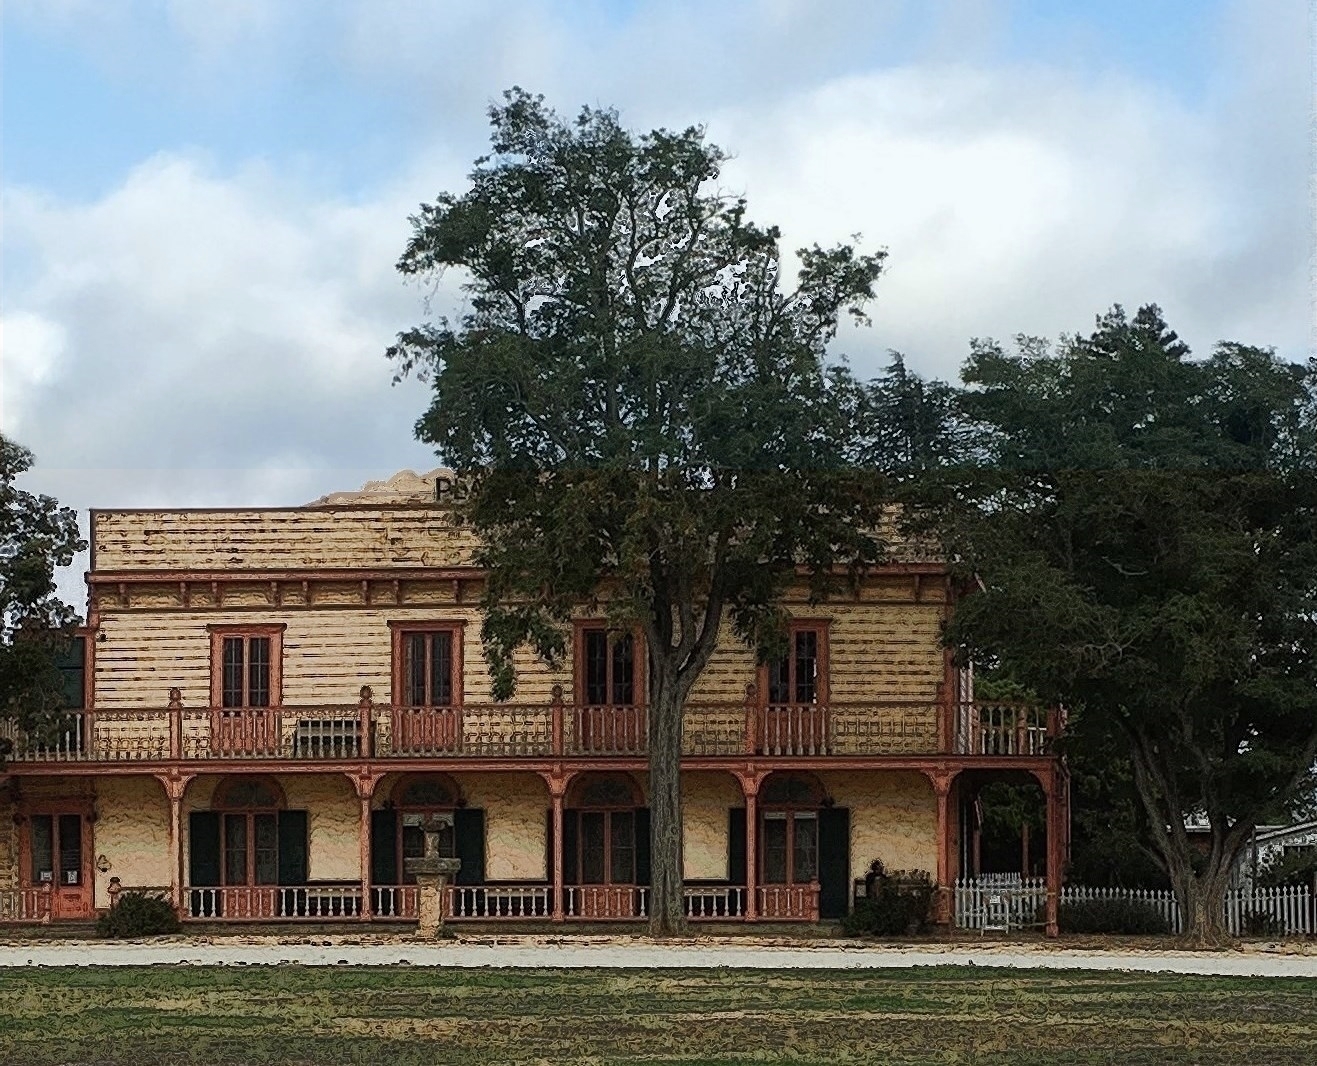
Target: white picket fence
1007,901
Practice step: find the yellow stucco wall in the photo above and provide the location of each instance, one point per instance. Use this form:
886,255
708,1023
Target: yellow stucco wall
132,833
893,818
705,800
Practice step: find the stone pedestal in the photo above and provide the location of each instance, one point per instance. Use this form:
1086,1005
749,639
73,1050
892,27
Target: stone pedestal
432,875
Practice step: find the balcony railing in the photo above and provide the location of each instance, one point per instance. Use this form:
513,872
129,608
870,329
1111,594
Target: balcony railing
347,732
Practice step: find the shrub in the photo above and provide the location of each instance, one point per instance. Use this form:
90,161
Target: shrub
1260,923
1128,916
138,914
897,905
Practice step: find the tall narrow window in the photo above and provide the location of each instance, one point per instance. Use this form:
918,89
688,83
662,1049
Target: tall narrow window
429,669
608,671
245,666
427,664
799,675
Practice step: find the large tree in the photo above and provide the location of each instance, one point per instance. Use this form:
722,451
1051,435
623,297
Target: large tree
36,536
1145,532
642,408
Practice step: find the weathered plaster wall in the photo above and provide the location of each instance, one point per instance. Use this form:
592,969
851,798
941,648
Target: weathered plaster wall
705,799
333,821
132,832
515,823
893,818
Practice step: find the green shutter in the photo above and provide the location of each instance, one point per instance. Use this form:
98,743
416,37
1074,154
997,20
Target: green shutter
642,846
469,834
292,848
384,847
834,862
736,845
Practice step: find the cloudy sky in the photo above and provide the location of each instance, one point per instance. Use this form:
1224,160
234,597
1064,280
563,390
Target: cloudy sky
203,199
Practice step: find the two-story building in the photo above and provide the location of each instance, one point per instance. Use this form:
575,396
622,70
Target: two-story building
270,699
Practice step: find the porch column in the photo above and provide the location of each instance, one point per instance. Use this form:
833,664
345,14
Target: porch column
365,786
557,789
944,909
750,788
175,785
1052,786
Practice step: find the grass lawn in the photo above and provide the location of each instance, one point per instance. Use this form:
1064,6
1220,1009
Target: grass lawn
397,1016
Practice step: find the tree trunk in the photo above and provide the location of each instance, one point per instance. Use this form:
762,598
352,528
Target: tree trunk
1201,899
667,915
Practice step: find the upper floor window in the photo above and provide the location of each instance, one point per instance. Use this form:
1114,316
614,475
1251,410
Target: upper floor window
800,675
246,666
427,664
606,668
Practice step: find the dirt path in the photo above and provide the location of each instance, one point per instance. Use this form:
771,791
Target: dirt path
528,952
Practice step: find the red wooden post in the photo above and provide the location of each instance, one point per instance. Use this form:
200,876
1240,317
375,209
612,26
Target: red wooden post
942,786
556,792
175,786
750,787
365,714
175,713
365,787
1052,790
556,724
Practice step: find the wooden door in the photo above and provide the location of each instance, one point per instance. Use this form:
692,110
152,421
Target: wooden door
59,850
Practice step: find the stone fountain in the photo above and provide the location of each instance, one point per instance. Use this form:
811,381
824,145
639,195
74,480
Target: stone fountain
432,874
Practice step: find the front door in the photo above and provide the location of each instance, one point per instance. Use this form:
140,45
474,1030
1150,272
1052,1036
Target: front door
58,850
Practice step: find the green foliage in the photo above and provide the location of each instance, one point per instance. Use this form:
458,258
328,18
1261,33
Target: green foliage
1145,530
639,400
1262,923
643,411
1128,917
137,914
36,536
898,904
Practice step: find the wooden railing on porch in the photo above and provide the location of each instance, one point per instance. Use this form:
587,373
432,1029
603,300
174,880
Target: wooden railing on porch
343,733
493,902
26,905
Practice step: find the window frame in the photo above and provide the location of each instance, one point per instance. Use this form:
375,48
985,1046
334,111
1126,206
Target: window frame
401,809
608,812
399,631
274,632
822,680
639,662
220,805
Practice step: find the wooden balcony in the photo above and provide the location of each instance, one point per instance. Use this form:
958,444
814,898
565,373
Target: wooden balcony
346,732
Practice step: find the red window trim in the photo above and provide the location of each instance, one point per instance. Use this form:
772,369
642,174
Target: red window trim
398,631
639,660
275,631
788,814
822,626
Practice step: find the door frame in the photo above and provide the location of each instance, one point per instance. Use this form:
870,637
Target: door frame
66,903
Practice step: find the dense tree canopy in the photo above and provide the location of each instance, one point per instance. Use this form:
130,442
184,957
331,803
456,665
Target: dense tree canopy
642,406
36,536
1145,531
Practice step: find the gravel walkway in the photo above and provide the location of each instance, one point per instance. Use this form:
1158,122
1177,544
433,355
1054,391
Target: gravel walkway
527,952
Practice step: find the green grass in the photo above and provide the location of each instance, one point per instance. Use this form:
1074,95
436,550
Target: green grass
398,1016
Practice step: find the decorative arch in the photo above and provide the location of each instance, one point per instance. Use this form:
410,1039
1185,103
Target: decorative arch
429,791
248,792
604,791
796,789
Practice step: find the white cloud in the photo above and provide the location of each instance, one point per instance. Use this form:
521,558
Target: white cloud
213,334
